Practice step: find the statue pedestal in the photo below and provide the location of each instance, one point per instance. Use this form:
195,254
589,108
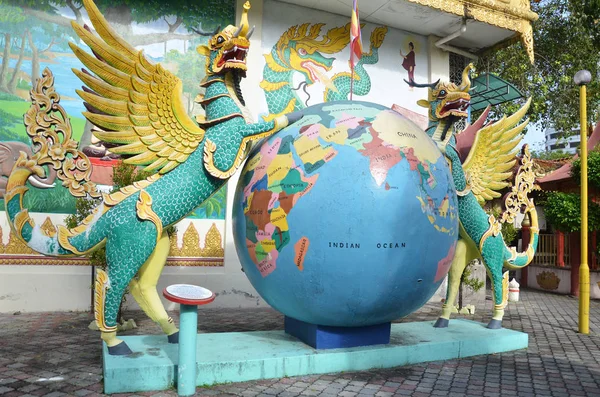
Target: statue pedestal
245,356
328,337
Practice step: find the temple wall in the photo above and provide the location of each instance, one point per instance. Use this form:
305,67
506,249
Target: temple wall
41,285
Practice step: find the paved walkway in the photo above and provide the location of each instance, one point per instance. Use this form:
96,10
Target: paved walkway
54,354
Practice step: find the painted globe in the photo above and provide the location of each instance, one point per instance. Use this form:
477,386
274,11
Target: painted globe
347,217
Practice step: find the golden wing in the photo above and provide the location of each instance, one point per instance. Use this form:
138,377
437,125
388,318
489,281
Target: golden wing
492,156
136,103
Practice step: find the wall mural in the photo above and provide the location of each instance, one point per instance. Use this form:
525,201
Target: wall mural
308,63
35,35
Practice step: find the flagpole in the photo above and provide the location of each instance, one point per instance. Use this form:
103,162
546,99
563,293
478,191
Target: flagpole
351,77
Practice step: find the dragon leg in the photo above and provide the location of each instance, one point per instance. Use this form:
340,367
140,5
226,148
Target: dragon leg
493,259
126,252
143,289
459,262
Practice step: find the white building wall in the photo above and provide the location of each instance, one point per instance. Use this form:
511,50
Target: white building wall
555,141
66,288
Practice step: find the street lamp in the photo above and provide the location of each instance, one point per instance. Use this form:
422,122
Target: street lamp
582,78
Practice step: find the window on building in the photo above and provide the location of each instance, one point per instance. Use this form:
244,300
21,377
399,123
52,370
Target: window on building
458,63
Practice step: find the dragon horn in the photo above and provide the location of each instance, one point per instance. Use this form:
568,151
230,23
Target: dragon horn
413,84
250,33
237,32
465,85
244,24
201,32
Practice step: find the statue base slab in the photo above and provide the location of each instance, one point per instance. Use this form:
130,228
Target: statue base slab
328,337
246,356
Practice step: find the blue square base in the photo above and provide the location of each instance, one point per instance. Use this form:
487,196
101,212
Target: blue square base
244,356
328,337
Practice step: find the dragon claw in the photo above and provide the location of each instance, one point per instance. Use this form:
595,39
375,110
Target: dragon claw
173,338
494,324
119,350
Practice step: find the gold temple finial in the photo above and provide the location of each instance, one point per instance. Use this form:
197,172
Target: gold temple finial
244,24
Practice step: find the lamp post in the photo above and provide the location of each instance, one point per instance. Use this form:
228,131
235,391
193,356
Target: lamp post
582,78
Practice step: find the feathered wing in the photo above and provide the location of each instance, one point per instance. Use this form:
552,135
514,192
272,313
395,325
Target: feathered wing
134,102
492,155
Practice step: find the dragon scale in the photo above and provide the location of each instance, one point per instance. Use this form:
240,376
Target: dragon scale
479,178
138,105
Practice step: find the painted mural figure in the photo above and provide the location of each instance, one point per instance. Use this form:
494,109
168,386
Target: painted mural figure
138,105
299,50
478,179
408,62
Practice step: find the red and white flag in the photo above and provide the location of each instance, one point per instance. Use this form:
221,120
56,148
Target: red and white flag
355,36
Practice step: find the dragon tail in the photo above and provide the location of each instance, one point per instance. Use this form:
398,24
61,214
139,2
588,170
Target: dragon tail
514,202
49,128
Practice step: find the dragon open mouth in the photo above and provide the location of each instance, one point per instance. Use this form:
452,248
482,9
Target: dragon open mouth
457,107
234,55
316,71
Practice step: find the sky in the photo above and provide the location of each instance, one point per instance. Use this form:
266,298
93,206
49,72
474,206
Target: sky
535,137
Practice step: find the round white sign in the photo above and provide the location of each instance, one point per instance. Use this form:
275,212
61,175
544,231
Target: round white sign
187,291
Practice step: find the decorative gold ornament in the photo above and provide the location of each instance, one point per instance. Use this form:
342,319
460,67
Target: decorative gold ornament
49,128
515,15
548,280
16,252
48,228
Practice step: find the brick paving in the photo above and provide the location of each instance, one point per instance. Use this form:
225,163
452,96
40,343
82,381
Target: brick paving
54,354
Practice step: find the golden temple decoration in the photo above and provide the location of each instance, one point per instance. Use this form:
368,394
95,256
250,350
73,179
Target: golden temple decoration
548,280
515,15
191,253
213,247
48,228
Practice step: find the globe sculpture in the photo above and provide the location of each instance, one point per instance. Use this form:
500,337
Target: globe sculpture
347,217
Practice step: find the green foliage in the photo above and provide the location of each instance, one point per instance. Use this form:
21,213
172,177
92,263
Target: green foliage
213,207
550,155
7,123
593,168
189,13
509,232
563,46
562,211
473,283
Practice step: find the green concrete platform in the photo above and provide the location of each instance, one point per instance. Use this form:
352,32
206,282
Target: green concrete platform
245,356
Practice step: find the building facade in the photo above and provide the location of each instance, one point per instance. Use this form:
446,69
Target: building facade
558,142
442,37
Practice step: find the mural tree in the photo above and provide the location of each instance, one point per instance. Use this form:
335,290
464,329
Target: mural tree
122,14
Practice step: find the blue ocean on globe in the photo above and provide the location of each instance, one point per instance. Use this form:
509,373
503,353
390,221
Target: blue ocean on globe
347,217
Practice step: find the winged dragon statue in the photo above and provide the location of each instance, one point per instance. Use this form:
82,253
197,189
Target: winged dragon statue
478,179
138,105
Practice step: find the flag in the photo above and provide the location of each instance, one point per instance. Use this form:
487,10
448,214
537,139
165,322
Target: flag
355,36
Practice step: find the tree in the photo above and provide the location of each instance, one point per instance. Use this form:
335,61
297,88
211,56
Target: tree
11,20
565,42
123,13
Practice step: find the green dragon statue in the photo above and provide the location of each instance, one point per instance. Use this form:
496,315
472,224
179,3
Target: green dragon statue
137,104
298,50
479,179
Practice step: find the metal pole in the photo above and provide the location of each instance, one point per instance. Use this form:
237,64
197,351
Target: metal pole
186,367
582,78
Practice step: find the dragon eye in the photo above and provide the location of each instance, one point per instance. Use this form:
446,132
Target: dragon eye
220,40
442,93
302,51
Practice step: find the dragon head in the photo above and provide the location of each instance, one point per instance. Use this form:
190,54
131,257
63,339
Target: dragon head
299,49
447,100
227,49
